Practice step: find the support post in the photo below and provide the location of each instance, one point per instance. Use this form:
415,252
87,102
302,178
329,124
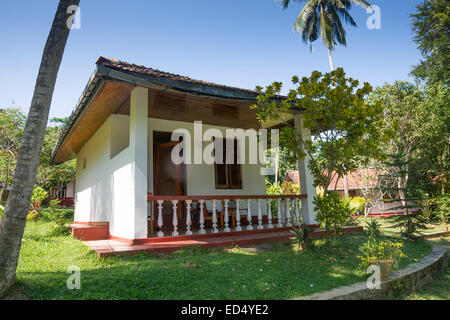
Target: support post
306,177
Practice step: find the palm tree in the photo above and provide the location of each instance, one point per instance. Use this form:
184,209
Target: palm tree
322,18
12,222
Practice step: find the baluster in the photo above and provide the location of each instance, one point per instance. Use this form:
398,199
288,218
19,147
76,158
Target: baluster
269,214
202,217
280,218
226,229
214,217
188,217
249,216
260,225
160,219
288,212
238,217
297,211
175,218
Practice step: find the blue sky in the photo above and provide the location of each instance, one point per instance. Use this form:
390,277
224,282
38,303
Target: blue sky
241,43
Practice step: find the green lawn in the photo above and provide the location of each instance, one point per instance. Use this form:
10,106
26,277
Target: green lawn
196,273
388,223
438,289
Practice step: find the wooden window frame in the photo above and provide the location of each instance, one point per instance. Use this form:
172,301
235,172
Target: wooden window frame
228,171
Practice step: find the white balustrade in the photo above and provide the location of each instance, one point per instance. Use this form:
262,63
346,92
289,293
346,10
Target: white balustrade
288,213
297,211
279,213
188,217
227,228
249,216
269,214
160,219
202,217
238,217
214,217
175,218
260,225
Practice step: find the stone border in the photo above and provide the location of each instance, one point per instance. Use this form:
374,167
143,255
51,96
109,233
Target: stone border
435,234
408,279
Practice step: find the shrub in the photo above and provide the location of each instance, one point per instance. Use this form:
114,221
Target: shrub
358,204
384,251
301,234
373,228
38,195
290,187
332,213
59,216
443,208
2,208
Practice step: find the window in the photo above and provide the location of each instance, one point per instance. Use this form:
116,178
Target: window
228,176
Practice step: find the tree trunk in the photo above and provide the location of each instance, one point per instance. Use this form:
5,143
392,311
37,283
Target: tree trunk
345,185
12,223
330,59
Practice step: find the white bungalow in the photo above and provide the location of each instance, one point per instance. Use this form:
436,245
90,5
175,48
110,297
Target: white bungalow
120,134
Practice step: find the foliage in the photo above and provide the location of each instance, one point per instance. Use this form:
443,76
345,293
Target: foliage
60,217
357,204
332,213
50,175
397,182
373,227
443,208
2,208
38,195
12,122
290,187
417,123
431,28
346,127
428,213
301,234
322,19
377,251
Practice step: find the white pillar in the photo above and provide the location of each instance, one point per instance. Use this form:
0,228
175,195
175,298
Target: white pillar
138,147
306,177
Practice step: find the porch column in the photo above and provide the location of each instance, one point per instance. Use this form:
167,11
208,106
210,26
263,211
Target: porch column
138,145
305,175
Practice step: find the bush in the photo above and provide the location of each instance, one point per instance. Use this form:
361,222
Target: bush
38,195
2,208
373,252
59,216
301,234
373,228
332,213
357,204
290,187
443,208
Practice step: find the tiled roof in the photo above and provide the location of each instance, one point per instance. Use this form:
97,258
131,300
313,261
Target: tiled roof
355,179
134,68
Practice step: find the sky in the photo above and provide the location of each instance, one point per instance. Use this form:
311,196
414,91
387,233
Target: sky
241,43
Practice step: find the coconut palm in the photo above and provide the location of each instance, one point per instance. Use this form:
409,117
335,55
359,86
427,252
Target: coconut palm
322,18
12,222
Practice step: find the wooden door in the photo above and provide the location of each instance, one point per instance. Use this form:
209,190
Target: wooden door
169,178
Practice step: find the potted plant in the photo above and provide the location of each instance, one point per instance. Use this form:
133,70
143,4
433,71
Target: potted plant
384,254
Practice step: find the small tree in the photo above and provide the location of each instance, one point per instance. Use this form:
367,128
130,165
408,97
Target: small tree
397,184
333,107
332,214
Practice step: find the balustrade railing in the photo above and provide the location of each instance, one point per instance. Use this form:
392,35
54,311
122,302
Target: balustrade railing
193,212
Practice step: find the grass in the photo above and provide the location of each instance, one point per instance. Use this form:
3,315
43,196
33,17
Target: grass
388,223
439,289
196,273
